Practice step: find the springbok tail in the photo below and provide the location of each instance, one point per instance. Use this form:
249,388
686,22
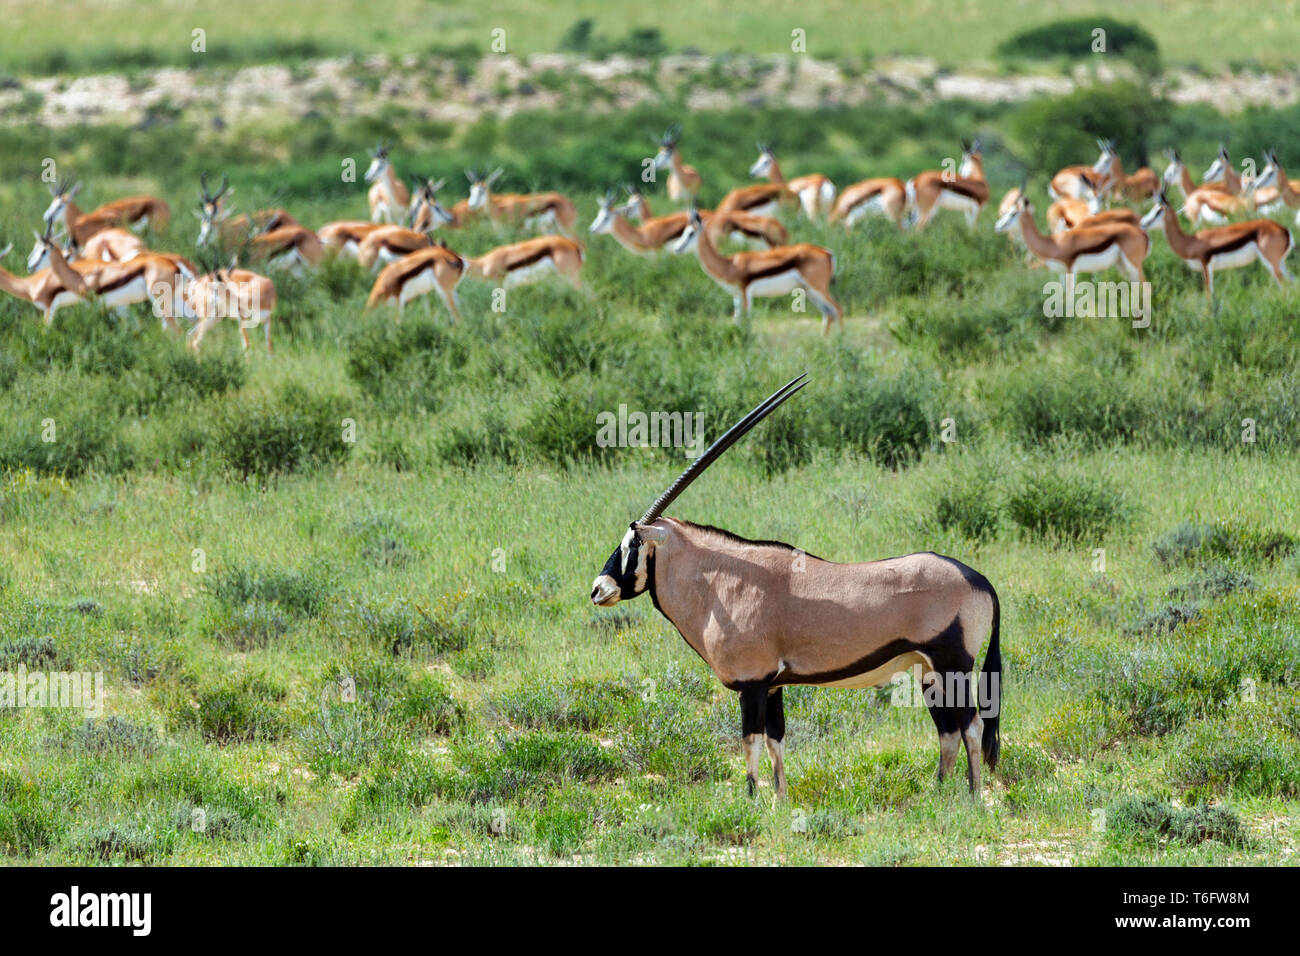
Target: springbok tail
990,685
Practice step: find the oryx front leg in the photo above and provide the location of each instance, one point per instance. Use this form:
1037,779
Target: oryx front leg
753,727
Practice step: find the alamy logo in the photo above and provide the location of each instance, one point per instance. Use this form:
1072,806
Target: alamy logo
626,429
24,688
134,910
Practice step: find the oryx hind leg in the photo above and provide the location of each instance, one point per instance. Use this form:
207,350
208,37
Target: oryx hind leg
753,727
775,729
945,722
971,725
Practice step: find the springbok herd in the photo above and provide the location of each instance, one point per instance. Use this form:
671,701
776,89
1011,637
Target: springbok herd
98,254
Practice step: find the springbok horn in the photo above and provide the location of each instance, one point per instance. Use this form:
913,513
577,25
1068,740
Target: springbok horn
203,183
714,452
225,185
6,250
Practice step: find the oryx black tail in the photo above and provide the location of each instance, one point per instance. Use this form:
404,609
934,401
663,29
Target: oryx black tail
990,689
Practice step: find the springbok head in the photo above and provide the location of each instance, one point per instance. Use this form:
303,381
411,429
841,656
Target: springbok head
667,146
425,212
1106,161
378,163
630,569
1175,167
971,153
1020,207
481,186
211,208
636,207
1155,216
63,193
766,159
1268,175
1219,166
691,234
604,220
40,255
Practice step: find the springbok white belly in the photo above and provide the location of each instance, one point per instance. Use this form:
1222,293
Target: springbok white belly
418,284
136,290
956,201
1098,261
1236,258
875,205
766,209
530,273
542,221
780,284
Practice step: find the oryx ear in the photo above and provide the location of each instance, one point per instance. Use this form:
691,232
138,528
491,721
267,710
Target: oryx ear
648,532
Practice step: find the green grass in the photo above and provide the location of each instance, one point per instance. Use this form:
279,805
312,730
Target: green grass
382,651
64,36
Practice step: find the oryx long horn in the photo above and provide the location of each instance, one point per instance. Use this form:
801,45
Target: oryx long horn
714,452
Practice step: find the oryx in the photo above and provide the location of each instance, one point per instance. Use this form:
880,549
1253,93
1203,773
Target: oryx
765,615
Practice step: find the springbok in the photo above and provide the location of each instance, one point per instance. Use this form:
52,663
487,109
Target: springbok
1114,182
1087,248
764,615
523,262
133,211
770,272
1065,214
214,215
1280,196
884,195
291,247
233,293
816,193
388,244
683,181
1222,174
435,268
109,245
1079,182
48,289
1215,204
966,192
744,228
529,210
1225,247
344,236
146,277
388,195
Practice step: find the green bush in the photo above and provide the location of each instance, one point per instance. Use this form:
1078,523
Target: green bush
1066,508
1150,820
1209,542
1074,39
292,430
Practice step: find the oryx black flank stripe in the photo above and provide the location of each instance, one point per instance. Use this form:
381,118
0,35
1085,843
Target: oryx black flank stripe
946,650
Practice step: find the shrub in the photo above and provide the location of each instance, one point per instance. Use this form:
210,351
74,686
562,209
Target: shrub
1240,756
1221,541
1066,508
1082,729
290,431
886,417
404,365
240,584
116,736
970,509
736,822
28,821
1148,820
235,710
1074,39
668,738
581,704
